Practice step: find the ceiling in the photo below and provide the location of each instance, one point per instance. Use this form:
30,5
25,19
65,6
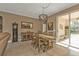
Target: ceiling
33,9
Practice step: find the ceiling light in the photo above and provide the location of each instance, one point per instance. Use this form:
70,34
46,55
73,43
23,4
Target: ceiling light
43,16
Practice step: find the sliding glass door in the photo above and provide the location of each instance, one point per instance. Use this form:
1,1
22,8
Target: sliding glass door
74,29
67,30
63,30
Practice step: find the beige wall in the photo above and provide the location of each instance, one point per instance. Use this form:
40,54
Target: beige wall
8,19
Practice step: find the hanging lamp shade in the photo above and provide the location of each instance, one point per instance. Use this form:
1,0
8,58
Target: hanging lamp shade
43,17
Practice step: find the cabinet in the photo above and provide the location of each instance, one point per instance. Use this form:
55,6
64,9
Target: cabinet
29,35
15,32
26,36
23,36
1,22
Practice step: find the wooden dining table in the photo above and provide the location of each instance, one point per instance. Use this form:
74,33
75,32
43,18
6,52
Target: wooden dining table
48,38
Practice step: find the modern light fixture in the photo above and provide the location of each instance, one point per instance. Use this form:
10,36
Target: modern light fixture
43,16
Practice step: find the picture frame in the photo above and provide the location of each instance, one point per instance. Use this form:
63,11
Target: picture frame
26,25
50,26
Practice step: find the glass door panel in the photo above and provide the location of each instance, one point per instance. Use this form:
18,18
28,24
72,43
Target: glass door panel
74,29
63,30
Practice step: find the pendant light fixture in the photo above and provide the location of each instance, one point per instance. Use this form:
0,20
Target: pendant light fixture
43,16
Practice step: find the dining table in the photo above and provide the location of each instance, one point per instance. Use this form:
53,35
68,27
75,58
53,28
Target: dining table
51,40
